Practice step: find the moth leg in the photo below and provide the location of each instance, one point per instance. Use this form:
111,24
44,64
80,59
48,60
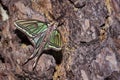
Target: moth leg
32,56
36,60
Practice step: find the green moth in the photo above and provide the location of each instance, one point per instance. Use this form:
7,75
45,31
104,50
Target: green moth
42,36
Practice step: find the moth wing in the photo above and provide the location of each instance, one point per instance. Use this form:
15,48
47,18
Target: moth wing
31,28
37,40
55,41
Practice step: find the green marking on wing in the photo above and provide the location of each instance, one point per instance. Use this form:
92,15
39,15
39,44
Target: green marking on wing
55,41
40,29
31,28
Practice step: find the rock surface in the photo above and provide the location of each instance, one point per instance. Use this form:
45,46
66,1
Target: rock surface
91,40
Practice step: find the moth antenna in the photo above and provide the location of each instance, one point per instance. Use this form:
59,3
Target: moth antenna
32,56
36,61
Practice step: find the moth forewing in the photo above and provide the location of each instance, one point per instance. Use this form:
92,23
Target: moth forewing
22,30
31,28
55,41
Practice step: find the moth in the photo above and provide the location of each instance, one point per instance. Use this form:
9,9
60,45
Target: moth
42,35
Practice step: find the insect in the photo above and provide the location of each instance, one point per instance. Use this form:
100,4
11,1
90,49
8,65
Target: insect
41,35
